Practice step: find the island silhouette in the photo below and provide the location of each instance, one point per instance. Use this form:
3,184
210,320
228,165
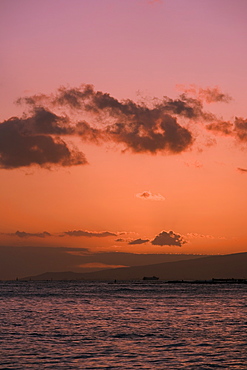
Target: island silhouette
231,266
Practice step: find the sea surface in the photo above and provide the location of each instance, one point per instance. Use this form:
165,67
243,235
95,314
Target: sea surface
142,325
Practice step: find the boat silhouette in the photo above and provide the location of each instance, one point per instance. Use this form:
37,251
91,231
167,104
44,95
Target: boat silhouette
150,278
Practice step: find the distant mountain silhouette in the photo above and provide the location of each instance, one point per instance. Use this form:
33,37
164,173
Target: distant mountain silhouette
203,268
63,275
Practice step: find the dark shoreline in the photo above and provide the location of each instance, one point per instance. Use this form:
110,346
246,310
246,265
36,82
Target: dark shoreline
139,281
212,281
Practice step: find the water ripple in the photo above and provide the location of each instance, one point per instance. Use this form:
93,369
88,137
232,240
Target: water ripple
76,325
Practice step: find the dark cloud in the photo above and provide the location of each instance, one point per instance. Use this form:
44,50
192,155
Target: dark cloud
243,170
184,106
29,140
221,127
23,234
237,129
138,127
157,136
88,133
85,98
138,241
73,97
42,121
240,129
168,238
150,196
160,126
144,194
89,234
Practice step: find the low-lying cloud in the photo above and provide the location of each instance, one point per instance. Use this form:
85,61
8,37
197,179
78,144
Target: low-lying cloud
150,196
23,234
89,234
203,236
73,233
138,241
168,238
162,239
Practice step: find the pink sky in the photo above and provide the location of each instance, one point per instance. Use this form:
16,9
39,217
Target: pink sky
138,50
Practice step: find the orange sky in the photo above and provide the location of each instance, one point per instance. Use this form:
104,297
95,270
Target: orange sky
142,165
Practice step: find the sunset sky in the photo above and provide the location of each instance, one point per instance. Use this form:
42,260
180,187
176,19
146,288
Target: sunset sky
123,128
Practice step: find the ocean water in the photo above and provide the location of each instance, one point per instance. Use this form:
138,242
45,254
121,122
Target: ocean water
145,325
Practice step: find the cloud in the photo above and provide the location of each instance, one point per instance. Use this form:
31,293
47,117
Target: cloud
183,106
168,238
85,98
23,234
35,140
196,235
76,233
155,136
89,234
221,127
150,196
158,126
202,236
195,164
240,129
209,94
139,128
236,129
138,241
242,170
214,95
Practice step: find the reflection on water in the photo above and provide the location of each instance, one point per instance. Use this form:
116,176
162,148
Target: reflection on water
76,325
